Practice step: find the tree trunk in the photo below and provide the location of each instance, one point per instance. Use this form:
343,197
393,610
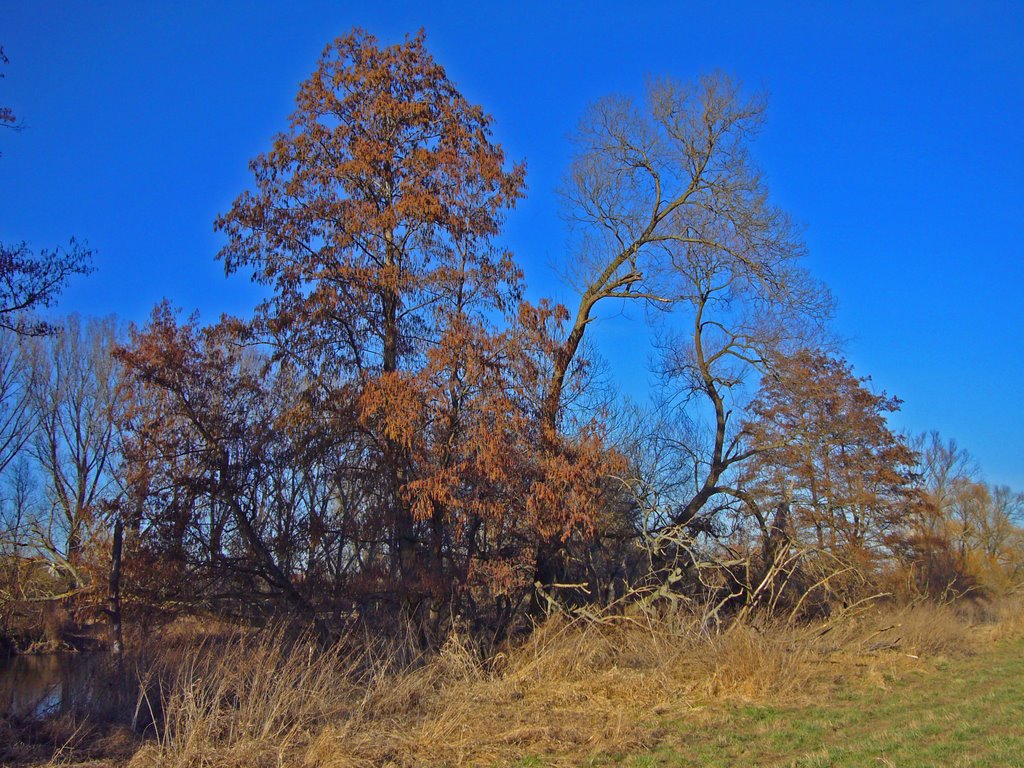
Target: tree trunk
403,526
114,592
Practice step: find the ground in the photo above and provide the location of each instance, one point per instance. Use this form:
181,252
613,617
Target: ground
922,690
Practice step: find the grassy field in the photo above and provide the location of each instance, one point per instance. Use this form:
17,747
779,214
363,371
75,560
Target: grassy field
918,686
962,712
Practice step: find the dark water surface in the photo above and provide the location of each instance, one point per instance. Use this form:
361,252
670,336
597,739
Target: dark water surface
52,684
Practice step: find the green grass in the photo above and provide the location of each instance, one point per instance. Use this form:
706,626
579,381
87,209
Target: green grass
967,712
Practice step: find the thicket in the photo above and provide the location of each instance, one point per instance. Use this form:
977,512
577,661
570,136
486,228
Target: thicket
397,442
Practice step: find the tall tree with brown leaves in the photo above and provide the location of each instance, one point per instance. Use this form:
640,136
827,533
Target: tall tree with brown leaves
371,220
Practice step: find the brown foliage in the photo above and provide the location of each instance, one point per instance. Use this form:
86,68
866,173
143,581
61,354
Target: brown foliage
382,385
827,451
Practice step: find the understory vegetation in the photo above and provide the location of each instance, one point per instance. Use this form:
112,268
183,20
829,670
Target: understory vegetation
402,514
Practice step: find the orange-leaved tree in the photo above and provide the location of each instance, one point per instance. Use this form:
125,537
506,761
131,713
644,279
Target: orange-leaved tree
371,220
219,475
826,450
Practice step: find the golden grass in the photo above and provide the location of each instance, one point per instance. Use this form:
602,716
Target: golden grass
248,702
573,690
1007,617
928,629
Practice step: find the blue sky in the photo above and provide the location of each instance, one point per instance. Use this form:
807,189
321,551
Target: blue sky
894,136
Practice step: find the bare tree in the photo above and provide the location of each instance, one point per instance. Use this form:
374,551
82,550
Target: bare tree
30,281
654,188
744,315
7,116
77,394
668,208
16,511
944,467
16,415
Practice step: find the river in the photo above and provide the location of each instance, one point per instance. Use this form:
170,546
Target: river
40,686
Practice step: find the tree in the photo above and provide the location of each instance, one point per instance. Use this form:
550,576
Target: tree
667,208
965,534
7,118
31,281
16,567
825,449
988,535
17,419
211,451
65,482
371,220
744,316
371,216
78,394
652,185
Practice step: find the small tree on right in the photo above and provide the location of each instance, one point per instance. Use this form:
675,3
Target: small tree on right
830,457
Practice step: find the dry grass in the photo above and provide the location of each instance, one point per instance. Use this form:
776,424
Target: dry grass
249,702
65,740
928,629
574,690
1007,617
755,664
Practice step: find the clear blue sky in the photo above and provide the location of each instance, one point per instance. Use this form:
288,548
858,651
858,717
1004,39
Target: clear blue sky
894,136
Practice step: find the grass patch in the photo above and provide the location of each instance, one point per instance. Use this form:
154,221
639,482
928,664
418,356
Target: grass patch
966,712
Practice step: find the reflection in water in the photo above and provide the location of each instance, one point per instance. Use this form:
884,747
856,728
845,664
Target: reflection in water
42,686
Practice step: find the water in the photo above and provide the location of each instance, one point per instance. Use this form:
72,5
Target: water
43,686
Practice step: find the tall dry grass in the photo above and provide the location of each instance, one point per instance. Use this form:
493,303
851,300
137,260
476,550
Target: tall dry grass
1007,617
252,700
573,689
